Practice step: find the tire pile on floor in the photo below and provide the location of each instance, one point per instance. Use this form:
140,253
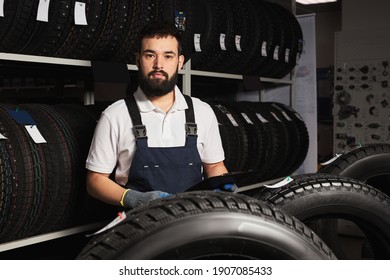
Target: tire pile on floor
251,37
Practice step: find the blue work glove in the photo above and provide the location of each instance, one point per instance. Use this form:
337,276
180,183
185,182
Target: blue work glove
230,187
134,198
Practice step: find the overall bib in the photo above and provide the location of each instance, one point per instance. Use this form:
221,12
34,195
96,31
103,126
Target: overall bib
168,169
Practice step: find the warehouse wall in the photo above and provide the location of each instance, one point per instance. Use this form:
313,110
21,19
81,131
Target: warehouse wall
327,24
363,14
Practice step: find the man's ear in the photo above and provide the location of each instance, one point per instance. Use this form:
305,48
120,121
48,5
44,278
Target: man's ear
181,61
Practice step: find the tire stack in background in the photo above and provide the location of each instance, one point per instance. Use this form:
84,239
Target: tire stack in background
267,137
249,37
43,184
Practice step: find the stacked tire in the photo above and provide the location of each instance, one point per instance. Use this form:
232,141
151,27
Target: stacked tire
250,37
43,184
207,225
268,138
319,200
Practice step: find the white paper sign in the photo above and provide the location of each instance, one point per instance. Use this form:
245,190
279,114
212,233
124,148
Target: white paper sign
2,136
117,220
35,134
331,160
80,16
43,10
280,184
1,8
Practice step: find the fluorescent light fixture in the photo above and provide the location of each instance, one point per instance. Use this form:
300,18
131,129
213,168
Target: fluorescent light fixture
310,2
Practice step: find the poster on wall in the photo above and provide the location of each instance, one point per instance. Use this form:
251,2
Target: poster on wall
361,100
304,101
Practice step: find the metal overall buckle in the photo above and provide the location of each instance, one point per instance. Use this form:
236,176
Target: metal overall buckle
140,131
191,129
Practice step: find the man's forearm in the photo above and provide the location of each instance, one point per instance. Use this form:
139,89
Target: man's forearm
101,187
214,169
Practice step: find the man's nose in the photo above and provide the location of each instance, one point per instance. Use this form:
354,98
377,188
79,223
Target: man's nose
157,63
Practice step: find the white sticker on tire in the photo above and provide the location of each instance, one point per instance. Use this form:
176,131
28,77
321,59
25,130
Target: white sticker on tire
197,42
222,38
43,10
80,16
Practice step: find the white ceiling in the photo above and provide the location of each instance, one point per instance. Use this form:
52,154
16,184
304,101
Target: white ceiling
307,9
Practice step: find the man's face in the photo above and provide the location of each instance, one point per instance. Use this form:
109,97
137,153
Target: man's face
158,63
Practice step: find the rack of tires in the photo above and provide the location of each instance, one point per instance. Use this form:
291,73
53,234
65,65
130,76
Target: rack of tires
251,37
43,190
43,184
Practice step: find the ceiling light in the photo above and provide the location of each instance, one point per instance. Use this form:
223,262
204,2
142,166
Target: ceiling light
309,2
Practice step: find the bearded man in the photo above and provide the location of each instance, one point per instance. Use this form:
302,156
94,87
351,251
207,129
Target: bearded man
157,141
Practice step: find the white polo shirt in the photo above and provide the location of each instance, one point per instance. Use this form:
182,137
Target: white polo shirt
114,144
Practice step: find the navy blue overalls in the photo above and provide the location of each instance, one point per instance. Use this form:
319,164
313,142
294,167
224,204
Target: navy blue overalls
168,169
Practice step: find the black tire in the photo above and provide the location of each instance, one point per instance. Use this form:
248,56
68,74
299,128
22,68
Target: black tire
369,163
314,198
207,225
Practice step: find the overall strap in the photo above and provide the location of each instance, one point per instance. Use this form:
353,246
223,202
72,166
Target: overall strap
191,127
139,129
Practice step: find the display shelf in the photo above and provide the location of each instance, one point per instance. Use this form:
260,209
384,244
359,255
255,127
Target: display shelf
187,72
49,236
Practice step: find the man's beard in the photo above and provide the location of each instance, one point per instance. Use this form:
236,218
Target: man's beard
157,87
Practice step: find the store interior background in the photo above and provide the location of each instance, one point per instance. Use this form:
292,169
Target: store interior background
344,15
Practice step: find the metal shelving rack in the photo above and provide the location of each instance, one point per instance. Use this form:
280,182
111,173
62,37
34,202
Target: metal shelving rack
187,73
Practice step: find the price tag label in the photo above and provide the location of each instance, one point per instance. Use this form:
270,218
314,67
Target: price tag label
1,8
287,56
35,134
261,118
245,116
264,48
197,42
43,10
276,53
286,116
275,116
80,16
232,120
222,44
238,43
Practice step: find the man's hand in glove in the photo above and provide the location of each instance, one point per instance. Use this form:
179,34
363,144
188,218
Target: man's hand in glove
132,198
230,187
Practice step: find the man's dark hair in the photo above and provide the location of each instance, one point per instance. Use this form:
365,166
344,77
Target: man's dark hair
160,30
